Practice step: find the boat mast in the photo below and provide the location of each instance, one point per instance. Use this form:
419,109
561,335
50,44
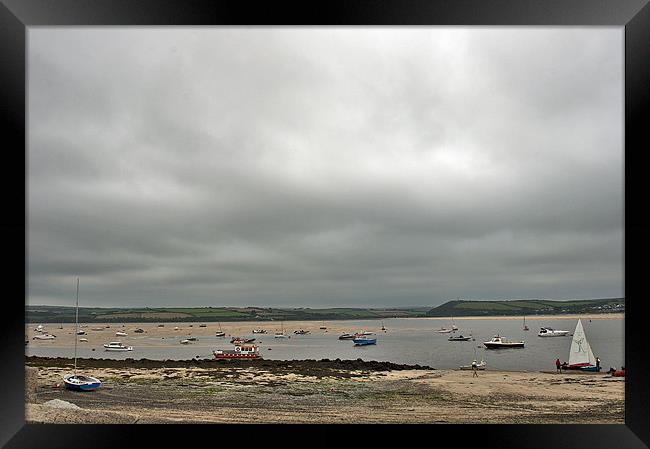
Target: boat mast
76,318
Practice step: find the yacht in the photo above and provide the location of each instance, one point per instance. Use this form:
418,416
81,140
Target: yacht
117,346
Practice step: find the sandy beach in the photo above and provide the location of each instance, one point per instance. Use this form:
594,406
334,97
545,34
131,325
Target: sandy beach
267,391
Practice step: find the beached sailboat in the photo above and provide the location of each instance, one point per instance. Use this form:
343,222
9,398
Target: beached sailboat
580,355
74,381
220,333
525,327
453,326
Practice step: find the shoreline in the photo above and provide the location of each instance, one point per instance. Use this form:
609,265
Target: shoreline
319,392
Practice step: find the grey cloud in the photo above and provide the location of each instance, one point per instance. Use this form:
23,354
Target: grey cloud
324,166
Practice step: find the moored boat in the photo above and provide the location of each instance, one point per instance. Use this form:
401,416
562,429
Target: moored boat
120,334
346,336
117,346
220,334
549,332
240,352
498,342
459,338
259,331
44,337
77,382
364,340
301,332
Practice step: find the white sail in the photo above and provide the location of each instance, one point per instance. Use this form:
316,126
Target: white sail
580,350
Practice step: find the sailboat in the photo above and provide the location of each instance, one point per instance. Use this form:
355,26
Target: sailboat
383,327
220,333
453,326
525,326
281,334
74,381
580,355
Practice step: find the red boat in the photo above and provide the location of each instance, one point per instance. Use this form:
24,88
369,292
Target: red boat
240,352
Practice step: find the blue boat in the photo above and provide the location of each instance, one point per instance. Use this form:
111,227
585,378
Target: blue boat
364,340
77,382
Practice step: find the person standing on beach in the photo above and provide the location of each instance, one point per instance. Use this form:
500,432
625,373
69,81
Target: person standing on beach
558,365
475,368
597,363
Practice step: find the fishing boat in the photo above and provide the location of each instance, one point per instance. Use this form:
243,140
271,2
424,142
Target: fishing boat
44,337
498,342
364,340
121,334
74,381
525,327
459,338
581,356
549,332
117,346
240,352
346,336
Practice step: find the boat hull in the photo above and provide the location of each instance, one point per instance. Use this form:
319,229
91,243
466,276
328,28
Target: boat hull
503,345
118,349
222,355
365,342
91,385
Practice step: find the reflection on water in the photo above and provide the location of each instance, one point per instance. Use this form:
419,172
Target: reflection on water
407,340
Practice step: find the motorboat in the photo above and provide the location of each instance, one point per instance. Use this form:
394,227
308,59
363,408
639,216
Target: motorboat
364,333
498,342
346,336
203,325
280,335
459,338
117,346
120,334
81,332
185,342
240,352
549,332
44,337
364,340
259,331
220,334
301,332
444,330
83,339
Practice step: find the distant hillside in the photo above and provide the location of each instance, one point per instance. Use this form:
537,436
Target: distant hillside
527,307
57,314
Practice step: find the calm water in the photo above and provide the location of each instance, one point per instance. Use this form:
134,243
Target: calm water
407,340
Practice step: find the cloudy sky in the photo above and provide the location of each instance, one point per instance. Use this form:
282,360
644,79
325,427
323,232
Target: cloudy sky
324,166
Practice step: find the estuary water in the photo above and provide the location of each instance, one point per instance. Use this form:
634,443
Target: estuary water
406,340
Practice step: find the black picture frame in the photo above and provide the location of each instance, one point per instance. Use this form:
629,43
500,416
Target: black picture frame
634,15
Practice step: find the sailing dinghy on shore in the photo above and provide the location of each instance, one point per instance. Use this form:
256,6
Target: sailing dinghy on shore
580,355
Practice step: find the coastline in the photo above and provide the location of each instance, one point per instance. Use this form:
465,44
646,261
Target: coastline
298,391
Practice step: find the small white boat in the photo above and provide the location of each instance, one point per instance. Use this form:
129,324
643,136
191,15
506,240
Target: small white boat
44,337
117,346
220,334
364,333
444,330
39,328
259,331
480,366
548,332
185,342
581,357
176,328
81,332
83,339
280,335
120,334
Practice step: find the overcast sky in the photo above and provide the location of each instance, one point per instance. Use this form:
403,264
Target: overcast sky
324,166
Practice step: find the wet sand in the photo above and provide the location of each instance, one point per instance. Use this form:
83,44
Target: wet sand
300,391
